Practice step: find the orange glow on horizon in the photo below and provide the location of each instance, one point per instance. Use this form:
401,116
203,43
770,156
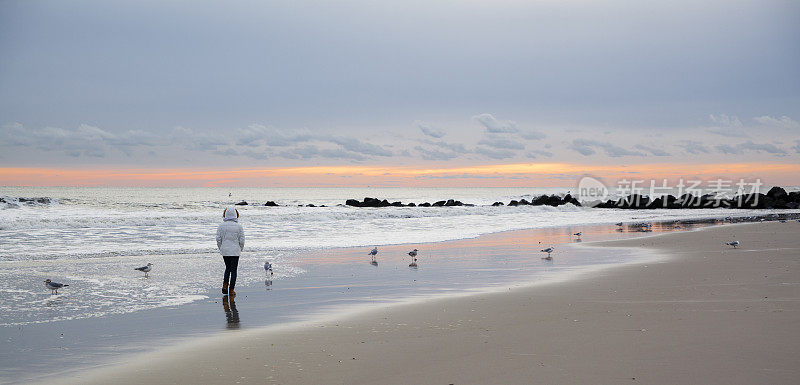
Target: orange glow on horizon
502,175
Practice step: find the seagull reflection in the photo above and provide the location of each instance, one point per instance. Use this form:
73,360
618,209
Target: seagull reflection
268,283
231,314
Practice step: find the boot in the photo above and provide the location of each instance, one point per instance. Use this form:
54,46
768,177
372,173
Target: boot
224,288
231,293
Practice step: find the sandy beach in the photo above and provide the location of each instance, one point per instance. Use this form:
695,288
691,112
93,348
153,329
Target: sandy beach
703,313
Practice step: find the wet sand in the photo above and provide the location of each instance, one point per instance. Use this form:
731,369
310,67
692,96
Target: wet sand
698,312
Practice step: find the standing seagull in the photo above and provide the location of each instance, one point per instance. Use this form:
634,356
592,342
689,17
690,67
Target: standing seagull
413,254
734,244
373,253
146,269
548,251
53,286
268,269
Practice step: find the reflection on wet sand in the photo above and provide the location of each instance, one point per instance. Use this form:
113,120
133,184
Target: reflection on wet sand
231,314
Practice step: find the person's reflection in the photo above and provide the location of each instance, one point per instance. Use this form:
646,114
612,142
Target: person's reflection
229,304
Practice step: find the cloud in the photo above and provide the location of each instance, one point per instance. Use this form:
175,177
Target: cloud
84,140
728,126
429,130
454,147
195,140
581,148
652,150
357,146
494,154
750,146
532,135
256,135
723,120
434,154
311,151
693,147
796,147
535,153
445,151
502,143
587,147
783,122
727,149
495,126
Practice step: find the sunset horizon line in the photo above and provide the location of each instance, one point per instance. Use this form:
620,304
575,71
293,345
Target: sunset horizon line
552,174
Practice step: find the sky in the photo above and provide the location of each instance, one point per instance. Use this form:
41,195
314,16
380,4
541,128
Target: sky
415,93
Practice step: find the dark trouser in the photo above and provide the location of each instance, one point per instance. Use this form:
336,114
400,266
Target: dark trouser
231,263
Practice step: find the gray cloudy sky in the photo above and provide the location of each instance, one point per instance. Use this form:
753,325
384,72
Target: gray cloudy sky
284,83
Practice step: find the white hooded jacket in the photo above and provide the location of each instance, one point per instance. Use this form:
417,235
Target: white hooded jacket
230,235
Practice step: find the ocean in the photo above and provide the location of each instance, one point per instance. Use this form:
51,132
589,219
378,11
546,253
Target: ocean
92,238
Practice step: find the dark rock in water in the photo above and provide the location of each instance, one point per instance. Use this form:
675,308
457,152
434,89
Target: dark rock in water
412,204
553,200
633,201
513,203
540,200
570,199
270,204
751,201
666,202
777,193
43,200
687,201
310,205
794,196
439,204
451,203
242,203
352,202
523,202
372,202
397,204
497,204
426,204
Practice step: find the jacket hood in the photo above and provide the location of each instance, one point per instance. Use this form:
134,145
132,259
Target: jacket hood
231,215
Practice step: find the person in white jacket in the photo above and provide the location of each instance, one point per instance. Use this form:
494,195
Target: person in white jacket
230,242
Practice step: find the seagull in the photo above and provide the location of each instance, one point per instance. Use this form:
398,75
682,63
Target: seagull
53,286
578,234
548,251
413,254
734,244
373,253
268,269
146,269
